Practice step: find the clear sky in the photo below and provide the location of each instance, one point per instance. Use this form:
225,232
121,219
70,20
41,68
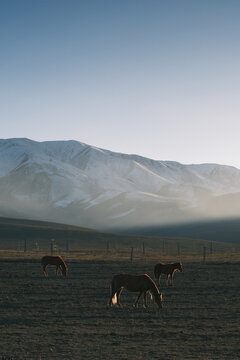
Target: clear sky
151,77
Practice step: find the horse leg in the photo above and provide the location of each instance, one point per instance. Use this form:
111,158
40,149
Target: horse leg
171,277
159,279
136,302
61,268
118,296
44,270
167,279
56,270
145,299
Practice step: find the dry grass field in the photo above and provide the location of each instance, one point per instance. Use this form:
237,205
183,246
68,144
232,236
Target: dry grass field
68,318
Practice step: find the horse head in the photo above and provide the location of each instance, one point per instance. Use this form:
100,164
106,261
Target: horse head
64,270
179,267
158,299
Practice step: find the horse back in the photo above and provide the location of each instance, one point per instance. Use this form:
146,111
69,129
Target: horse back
51,260
166,269
158,269
140,282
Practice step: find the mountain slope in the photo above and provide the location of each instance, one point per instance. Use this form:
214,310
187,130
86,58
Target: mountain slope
71,182
224,230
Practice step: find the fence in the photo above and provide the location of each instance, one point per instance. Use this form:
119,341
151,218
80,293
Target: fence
163,249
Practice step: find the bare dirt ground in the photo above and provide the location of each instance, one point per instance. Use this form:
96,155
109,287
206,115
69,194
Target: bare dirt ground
68,318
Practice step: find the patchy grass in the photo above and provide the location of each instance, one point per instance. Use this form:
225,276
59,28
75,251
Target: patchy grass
68,318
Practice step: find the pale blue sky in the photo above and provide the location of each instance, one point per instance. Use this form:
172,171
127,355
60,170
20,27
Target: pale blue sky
152,77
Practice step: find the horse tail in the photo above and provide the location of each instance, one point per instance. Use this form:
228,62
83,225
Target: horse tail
114,299
113,294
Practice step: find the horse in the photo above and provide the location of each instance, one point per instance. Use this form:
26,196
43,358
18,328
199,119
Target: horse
135,283
54,260
167,269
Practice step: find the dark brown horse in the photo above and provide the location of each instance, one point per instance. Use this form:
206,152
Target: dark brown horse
54,260
135,283
167,269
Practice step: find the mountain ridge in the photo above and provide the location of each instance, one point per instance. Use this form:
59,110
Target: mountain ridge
76,183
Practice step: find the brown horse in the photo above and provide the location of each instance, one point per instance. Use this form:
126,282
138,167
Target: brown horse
135,283
54,260
167,269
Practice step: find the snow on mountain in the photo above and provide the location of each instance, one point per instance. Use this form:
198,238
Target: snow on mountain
72,182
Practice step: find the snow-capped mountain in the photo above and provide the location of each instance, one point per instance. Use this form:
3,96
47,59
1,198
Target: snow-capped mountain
71,182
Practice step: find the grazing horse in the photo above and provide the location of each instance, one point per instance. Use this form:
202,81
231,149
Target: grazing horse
135,283
167,269
54,260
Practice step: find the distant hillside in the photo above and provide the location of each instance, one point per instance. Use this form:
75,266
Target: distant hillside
14,230
226,230
38,235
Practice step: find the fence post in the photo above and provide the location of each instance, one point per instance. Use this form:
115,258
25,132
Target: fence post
163,246
51,246
25,245
204,255
107,246
131,255
211,247
67,245
143,247
178,249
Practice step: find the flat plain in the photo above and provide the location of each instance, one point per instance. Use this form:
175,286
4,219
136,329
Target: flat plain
68,318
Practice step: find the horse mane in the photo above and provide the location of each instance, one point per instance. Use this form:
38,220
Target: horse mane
173,263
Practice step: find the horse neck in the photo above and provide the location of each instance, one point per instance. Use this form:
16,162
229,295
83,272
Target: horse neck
176,266
153,288
62,262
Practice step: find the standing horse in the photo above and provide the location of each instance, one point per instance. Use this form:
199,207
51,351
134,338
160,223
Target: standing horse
167,269
135,283
54,260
